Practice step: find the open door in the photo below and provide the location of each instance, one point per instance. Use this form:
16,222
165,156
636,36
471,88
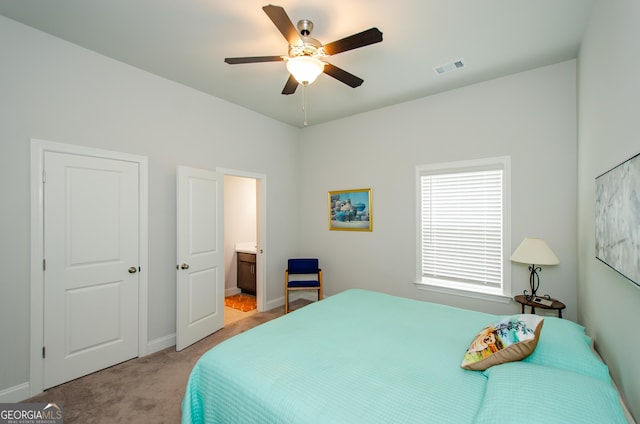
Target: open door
200,255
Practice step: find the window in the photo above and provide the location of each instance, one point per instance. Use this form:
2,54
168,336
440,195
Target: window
463,222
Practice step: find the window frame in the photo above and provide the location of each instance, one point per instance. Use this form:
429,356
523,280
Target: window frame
501,294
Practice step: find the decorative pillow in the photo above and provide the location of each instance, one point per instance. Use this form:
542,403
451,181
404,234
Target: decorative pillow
511,339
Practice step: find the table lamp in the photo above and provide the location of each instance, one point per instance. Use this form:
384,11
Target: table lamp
534,251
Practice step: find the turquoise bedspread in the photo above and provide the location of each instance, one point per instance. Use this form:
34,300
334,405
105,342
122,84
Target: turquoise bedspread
356,357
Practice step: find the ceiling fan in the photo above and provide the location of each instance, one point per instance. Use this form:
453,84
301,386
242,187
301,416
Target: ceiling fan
305,53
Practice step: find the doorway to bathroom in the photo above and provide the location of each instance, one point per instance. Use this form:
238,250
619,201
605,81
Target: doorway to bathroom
244,243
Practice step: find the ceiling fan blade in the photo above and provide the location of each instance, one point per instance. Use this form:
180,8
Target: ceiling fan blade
290,86
256,59
281,20
342,75
361,39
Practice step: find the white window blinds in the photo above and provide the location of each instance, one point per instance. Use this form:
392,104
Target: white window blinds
462,227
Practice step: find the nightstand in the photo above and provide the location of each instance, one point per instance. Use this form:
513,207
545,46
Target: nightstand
556,305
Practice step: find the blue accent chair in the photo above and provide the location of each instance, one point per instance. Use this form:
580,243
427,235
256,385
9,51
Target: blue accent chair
312,280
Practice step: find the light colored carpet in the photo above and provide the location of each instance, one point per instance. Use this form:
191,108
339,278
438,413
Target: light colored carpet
142,390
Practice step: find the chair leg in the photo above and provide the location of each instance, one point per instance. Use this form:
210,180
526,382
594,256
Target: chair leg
286,292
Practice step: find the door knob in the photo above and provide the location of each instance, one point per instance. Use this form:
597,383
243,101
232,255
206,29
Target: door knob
133,270
184,266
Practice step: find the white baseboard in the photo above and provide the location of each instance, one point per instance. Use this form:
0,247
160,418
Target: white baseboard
272,304
231,291
15,394
156,345
309,295
295,295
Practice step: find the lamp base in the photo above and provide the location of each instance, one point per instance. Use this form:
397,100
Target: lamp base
534,282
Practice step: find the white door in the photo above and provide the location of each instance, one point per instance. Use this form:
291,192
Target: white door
200,270
91,239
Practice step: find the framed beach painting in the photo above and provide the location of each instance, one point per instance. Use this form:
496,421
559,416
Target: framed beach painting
350,210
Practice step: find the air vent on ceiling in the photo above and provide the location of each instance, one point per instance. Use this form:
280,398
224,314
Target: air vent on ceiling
448,67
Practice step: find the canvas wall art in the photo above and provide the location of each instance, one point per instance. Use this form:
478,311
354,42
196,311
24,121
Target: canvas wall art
618,218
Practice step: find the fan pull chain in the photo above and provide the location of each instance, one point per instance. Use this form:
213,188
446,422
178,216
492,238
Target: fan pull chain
304,103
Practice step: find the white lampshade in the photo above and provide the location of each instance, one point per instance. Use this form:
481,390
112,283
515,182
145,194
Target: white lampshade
534,251
305,69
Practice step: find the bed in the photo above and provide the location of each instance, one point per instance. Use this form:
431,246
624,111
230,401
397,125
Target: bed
367,357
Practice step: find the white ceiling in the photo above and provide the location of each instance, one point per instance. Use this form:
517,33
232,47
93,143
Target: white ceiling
187,40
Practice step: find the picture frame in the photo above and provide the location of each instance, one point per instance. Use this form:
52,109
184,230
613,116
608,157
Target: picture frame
350,210
617,214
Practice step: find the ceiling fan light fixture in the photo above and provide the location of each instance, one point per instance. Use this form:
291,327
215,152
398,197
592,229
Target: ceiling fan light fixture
305,69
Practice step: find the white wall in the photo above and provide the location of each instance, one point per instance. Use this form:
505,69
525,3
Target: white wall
56,91
529,116
609,133
240,225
